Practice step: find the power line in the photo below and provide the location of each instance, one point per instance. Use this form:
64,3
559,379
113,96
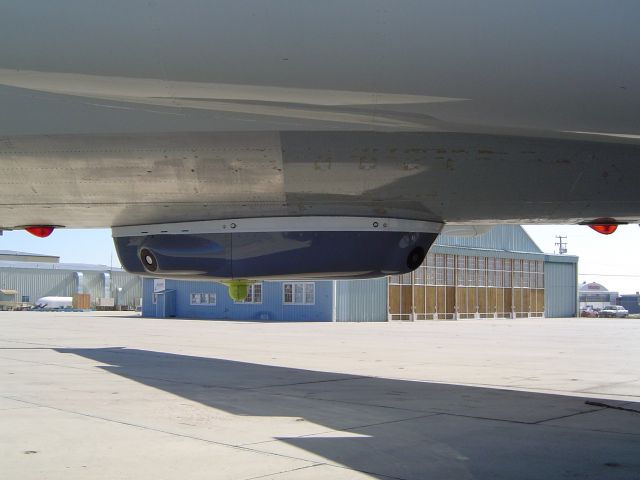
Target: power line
561,244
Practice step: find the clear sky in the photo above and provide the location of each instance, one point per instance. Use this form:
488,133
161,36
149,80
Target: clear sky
611,260
72,246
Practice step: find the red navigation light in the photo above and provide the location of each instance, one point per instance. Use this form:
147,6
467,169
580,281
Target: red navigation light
40,231
605,228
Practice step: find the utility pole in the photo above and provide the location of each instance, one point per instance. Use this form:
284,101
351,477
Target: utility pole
561,244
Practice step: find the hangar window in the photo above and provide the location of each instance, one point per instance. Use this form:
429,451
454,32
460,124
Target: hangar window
471,263
451,261
471,278
462,278
525,275
450,275
481,263
431,276
491,278
203,299
507,279
482,272
401,279
299,293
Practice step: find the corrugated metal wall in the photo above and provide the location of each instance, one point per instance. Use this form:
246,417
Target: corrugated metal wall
471,252
361,300
36,283
131,288
41,282
501,237
560,289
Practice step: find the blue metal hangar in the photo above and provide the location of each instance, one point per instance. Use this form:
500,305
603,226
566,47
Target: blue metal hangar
501,274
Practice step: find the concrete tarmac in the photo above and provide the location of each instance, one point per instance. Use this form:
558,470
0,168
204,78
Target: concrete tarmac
111,396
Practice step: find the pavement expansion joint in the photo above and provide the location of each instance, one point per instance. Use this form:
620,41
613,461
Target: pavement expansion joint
569,415
43,345
306,467
163,431
183,382
346,429
330,380
612,384
233,446
16,408
89,368
612,407
346,402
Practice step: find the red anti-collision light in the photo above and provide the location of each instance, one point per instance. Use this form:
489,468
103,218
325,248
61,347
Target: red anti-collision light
40,231
605,229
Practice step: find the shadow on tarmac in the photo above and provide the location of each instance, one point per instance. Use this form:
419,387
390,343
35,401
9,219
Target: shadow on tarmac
411,430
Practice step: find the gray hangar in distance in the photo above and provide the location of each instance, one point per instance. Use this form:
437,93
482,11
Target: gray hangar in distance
26,277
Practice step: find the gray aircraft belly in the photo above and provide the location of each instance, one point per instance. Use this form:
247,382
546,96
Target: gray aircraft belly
461,111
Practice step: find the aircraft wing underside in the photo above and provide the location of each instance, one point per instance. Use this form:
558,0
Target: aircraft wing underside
114,180
214,132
